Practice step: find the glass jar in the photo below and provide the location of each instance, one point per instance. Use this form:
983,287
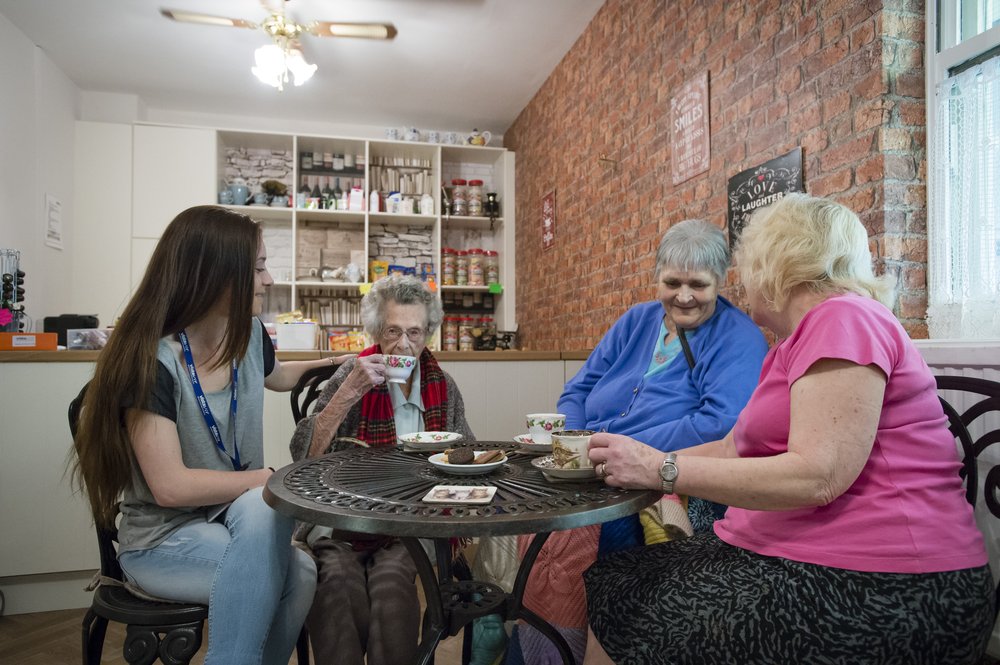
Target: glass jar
449,336
466,342
476,267
491,266
459,197
474,197
462,268
448,256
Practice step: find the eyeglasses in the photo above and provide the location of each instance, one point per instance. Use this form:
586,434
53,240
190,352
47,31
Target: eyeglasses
413,334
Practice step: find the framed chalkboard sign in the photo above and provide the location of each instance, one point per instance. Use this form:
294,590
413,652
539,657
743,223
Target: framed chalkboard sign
760,186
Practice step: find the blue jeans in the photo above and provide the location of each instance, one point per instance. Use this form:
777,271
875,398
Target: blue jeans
257,586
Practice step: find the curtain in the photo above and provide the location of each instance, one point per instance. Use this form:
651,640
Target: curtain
964,225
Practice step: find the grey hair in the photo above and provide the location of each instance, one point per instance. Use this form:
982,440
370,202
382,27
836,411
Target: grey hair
403,290
694,244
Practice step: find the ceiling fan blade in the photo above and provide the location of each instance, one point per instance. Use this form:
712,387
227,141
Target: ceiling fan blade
192,17
362,30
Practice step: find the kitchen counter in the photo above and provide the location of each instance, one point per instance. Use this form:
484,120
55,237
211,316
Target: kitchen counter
444,356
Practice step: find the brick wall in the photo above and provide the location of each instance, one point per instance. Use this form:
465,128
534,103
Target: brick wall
841,78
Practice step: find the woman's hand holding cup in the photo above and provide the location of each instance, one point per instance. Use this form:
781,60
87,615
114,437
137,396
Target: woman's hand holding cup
624,462
368,372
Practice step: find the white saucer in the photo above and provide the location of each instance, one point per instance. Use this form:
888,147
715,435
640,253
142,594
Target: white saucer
549,468
423,439
466,469
529,446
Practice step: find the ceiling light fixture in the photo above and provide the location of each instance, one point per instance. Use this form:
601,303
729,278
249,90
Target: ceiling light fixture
275,61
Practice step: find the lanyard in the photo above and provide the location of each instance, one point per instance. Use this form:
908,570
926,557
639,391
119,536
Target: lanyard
206,411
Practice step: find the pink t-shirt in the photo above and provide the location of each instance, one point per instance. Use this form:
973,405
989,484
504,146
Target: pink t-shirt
906,512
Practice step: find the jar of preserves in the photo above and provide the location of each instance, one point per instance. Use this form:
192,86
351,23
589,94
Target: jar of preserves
448,256
459,197
466,342
462,268
474,197
477,271
491,266
449,341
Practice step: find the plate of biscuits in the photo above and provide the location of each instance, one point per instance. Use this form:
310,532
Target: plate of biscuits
468,462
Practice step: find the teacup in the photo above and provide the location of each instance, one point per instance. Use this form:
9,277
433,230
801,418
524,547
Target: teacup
541,425
398,368
433,137
571,448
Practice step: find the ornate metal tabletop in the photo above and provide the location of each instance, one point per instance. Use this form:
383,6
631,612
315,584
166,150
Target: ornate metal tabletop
379,491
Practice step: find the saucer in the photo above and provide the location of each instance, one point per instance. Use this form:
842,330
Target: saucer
529,446
466,469
548,467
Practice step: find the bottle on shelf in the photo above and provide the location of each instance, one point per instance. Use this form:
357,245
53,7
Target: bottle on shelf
462,268
338,194
307,161
474,198
491,262
449,336
476,272
316,193
448,259
459,202
327,194
327,160
466,342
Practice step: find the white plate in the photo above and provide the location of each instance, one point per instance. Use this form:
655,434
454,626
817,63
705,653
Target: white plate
529,446
549,468
466,469
430,439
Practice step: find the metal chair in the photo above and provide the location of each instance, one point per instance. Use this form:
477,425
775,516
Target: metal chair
166,630
308,389
982,415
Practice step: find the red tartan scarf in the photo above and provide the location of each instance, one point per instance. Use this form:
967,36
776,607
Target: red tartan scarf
378,428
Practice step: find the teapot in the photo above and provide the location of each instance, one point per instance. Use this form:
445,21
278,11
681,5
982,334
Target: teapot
477,138
240,191
412,134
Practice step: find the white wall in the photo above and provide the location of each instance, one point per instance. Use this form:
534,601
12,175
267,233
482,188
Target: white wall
36,157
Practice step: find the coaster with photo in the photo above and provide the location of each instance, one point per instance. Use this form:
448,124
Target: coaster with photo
460,494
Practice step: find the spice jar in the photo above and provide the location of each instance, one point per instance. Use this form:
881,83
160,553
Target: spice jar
448,256
459,197
466,342
450,334
474,198
476,267
462,268
491,266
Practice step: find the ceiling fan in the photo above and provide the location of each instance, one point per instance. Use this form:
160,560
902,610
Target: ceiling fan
275,61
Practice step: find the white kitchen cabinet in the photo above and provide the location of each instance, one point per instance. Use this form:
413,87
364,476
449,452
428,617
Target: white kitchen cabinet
173,169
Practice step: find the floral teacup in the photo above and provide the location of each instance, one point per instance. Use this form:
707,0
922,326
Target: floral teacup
398,368
540,425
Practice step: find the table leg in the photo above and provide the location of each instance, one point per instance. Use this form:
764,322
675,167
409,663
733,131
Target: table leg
517,610
434,625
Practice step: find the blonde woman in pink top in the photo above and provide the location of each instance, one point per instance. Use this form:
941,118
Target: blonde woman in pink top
848,539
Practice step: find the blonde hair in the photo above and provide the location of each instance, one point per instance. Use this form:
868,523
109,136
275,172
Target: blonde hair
806,241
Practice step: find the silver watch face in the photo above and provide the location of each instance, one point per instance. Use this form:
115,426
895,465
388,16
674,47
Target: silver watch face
668,470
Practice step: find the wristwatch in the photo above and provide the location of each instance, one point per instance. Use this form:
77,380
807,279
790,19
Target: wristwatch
668,472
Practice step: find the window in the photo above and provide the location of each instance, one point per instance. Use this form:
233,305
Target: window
963,112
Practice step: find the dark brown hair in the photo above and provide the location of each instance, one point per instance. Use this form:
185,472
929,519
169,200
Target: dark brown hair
205,257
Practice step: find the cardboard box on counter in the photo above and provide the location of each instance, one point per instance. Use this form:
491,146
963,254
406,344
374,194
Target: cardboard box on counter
28,341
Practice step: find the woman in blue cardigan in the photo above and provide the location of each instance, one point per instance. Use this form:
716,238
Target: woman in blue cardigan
673,372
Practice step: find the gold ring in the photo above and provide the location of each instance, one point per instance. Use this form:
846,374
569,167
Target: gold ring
604,470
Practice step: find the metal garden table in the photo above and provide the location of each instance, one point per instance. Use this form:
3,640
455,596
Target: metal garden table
379,491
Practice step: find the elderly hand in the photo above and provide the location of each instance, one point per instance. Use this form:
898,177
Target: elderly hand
625,462
368,372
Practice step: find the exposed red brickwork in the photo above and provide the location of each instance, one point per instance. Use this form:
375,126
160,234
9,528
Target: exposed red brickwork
841,78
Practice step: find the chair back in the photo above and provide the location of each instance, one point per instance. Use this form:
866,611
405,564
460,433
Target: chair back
308,389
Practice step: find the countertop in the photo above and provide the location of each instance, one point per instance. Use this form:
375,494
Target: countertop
448,356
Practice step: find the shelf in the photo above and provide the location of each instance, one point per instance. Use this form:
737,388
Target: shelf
315,215
345,172
465,288
265,213
401,219
317,284
466,222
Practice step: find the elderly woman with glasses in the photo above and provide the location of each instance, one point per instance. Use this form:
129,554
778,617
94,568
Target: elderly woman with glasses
366,600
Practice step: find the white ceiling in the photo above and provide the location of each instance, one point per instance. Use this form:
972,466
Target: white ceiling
455,64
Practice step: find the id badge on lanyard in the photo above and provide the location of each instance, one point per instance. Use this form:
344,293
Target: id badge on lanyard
206,411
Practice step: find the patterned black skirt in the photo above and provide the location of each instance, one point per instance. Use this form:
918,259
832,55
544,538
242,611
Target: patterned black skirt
700,600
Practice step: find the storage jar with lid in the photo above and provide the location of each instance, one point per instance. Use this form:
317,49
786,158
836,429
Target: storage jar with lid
491,266
448,257
449,336
466,342
459,197
474,198
462,268
476,267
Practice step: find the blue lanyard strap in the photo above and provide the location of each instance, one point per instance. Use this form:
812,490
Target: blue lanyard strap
206,411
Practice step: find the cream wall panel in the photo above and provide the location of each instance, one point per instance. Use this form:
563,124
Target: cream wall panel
174,170
103,220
